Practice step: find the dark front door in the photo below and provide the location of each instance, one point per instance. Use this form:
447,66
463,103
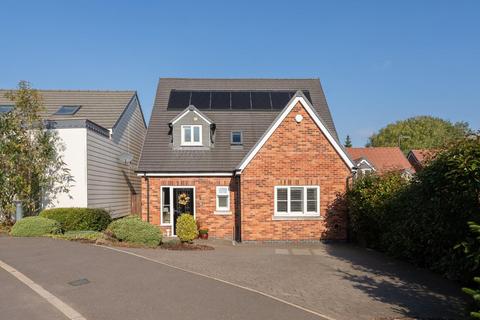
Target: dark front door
183,202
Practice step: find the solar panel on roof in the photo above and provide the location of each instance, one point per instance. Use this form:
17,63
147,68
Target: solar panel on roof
179,99
307,94
201,99
261,100
280,99
220,100
241,100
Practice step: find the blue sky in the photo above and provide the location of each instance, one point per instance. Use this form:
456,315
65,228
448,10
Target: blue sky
378,61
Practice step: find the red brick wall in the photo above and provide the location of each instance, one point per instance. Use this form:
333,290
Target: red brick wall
220,226
296,154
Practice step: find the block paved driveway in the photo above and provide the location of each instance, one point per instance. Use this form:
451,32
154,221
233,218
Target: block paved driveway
338,281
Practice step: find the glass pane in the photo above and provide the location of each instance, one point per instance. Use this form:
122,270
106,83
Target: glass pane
187,134
282,206
296,206
236,137
166,205
312,206
222,190
311,194
196,134
222,201
296,194
282,194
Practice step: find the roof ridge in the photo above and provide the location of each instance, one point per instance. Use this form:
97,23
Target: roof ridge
260,78
73,90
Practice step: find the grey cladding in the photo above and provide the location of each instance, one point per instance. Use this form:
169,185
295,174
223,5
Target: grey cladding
233,105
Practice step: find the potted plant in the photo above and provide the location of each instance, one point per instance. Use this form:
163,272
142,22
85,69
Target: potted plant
203,233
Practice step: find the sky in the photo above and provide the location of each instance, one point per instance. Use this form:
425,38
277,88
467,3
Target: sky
378,61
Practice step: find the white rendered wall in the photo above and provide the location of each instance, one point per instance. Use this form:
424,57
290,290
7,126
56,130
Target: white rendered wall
75,157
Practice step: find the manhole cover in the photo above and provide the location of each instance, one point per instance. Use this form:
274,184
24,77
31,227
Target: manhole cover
78,282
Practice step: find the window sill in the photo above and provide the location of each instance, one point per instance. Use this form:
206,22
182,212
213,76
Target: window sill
296,218
222,213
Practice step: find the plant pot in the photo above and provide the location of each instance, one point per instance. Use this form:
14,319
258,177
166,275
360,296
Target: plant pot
204,236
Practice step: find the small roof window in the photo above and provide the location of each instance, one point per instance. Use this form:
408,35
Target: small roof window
67,110
236,138
5,108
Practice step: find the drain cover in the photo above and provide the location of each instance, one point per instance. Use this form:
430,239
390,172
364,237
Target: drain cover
79,282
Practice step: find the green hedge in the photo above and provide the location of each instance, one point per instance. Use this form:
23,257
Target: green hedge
74,219
133,230
35,227
423,221
79,235
186,229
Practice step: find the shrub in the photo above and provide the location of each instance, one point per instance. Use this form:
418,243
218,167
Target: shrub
186,229
73,219
35,227
79,235
423,221
133,230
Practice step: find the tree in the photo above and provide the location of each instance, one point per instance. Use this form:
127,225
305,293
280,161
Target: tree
422,132
348,142
31,162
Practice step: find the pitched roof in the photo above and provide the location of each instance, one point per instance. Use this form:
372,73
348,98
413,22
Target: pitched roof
158,155
101,107
382,158
422,154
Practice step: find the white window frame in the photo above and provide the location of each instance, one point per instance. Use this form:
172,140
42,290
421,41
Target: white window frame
192,142
289,212
217,207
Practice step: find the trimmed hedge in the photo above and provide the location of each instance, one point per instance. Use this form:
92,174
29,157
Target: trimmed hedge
133,230
79,235
74,219
423,221
35,227
186,229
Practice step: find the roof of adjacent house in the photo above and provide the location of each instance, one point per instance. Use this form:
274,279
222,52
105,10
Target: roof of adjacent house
422,154
159,156
382,158
101,107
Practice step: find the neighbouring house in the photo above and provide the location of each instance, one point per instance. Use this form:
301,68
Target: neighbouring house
250,159
103,133
418,157
380,160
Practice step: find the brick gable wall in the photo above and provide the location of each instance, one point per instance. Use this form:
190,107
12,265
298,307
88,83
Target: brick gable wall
295,154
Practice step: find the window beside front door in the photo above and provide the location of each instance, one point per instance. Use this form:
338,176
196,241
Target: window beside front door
223,199
297,201
191,135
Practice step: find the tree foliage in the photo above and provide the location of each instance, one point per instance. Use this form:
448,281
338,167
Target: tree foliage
424,220
422,132
31,162
348,142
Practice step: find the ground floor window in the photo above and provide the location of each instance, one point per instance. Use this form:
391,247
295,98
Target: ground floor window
297,200
223,199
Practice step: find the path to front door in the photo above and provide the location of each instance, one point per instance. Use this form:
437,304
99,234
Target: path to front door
175,201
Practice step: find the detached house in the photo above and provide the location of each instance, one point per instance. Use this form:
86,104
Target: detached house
380,160
102,132
250,159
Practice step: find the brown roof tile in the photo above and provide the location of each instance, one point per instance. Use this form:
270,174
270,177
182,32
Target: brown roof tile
382,158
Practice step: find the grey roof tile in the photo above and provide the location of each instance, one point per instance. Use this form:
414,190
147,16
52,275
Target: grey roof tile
102,107
158,155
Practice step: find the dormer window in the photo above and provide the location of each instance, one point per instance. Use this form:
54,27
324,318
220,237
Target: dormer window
236,138
191,135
